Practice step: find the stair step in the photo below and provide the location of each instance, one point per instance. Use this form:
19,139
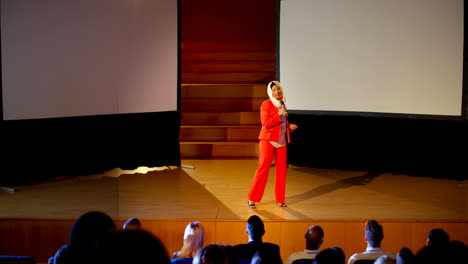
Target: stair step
219,150
230,77
227,66
223,90
204,104
219,133
228,46
221,118
228,56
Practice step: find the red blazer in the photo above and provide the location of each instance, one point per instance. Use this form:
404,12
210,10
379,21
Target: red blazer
271,123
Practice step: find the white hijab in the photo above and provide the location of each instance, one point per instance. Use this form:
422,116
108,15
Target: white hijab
270,93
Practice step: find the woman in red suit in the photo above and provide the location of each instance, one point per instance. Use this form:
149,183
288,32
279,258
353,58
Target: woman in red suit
273,139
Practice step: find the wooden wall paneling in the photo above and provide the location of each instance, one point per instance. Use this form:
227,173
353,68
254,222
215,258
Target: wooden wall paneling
231,232
273,232
456,231
56,234
210,231
396,235
292,237
419,233
170,233
45,237
334,234
354,237
37,238
10,231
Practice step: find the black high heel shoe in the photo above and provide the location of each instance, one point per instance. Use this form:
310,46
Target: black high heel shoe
281,204
251,204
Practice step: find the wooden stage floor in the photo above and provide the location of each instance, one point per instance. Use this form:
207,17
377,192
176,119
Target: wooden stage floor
217,189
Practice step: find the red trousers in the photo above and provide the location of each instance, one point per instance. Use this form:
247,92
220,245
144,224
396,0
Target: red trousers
266,155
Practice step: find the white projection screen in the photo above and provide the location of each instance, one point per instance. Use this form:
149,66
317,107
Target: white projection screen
372,56
64,58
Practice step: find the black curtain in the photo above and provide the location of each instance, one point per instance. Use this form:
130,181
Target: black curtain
45,148
434,148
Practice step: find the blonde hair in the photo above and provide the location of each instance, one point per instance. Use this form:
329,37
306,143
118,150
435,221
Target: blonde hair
194,236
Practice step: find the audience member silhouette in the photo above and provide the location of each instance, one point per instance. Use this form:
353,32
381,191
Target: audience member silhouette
314,239
405,256
132,224
437,237
458,252
194,236
87,232
255,230
454,252
373,236
211,254
132,246
333,255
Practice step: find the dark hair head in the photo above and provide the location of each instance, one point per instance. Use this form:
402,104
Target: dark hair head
405,256
211,254
90,227
255,228
133,246
437,237
374,233
333,255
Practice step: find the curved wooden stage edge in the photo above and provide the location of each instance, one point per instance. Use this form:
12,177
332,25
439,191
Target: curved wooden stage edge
36,219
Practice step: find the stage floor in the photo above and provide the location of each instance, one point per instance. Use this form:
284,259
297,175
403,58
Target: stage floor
217,189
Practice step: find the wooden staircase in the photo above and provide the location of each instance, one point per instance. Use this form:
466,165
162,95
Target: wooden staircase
221,120
226,61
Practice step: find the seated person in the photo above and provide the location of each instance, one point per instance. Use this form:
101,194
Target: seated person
194,236
405,256
255,230
87,231
212,254
373,236
437,237
131,246
333,255
314,239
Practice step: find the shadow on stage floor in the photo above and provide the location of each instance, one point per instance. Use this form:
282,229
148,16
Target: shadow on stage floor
217,189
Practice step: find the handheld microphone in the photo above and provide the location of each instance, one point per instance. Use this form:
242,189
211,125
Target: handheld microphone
283,105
